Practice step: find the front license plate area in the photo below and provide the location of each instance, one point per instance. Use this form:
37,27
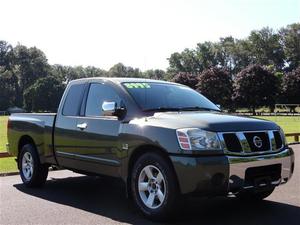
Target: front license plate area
262,181
262,176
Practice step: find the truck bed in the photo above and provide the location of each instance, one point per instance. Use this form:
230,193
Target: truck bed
36,126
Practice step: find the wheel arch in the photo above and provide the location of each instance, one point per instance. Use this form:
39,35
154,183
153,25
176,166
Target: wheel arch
139,151
24,140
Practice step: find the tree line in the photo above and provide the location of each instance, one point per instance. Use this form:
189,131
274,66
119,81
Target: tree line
28,81
260,70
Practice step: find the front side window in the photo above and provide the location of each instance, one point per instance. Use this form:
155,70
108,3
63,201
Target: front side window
98,93
160,96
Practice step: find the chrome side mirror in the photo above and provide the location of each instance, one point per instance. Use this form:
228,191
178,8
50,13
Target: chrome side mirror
109,108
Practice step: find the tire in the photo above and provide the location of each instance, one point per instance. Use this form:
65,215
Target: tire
32,172
154,187
255,196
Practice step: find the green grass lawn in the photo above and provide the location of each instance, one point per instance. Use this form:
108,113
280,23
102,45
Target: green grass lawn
290,124
3,138
8,165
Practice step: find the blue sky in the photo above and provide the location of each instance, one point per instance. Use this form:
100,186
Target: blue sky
136,32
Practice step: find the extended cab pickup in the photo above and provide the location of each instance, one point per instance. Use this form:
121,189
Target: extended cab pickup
164,140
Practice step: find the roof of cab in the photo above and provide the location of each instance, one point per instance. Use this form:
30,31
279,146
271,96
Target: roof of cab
121,80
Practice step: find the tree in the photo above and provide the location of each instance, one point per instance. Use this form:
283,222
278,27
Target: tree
194,61
290,38
29,65
154,74
266,48
44,94
176,63
206,53
224,53
240,55
120,70
5,56
68,73
92,71
186,61
188,79
8,83
255,86
291,86
216,84
8,80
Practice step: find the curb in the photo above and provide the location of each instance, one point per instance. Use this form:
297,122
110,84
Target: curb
4,154
9,174
294,143
5,174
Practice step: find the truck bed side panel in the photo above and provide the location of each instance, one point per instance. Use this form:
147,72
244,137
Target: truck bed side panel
37,126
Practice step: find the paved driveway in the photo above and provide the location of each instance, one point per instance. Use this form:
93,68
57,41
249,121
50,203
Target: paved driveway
70,198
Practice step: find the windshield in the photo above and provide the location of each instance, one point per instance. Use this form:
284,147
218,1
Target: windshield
161,96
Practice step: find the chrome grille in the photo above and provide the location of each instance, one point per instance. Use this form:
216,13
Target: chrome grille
277,139
232,140
263,136
251,142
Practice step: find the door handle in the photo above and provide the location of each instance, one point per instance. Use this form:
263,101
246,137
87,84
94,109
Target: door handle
82,126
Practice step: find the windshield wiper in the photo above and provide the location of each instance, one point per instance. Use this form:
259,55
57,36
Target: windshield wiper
162,109
193,108
197,108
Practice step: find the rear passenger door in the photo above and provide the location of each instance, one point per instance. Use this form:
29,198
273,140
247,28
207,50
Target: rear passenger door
98,148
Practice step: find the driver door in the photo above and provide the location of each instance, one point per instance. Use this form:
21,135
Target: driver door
99,148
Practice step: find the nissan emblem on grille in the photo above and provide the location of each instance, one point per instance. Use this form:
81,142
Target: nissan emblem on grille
257,141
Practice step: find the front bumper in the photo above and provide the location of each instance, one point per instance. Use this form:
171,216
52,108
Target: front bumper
221,175
239,168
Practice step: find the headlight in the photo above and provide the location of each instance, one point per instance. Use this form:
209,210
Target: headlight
197,139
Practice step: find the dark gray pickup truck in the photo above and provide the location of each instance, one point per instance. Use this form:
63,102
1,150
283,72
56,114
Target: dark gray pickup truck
164,140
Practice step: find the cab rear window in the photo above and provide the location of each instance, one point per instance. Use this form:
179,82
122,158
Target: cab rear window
73,100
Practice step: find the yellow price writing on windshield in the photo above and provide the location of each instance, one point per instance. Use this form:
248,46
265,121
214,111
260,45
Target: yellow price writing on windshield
137,85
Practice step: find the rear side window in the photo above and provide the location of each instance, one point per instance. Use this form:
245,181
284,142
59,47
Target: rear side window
99,93
73,100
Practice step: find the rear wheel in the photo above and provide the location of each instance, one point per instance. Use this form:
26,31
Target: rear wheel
154,187
32,172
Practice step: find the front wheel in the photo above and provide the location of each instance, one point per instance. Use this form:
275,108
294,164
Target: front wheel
154,186
32,172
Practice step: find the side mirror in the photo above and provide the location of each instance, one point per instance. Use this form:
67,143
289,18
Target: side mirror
109,108
219,106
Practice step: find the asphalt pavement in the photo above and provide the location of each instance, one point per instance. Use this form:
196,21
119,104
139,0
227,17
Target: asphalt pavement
70,198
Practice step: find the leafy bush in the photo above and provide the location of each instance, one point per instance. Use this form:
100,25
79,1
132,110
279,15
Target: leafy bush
216,84
291,86
187,79
255,86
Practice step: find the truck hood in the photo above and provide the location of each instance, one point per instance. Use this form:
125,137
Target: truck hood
213,121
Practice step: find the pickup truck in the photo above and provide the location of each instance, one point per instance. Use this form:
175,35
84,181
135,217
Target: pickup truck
164,140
